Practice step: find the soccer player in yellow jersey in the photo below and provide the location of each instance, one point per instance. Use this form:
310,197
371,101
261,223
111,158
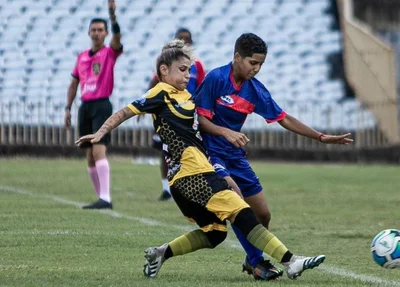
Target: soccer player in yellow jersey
202,195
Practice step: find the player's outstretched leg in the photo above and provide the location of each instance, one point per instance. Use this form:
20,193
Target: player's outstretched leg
189,242
261,238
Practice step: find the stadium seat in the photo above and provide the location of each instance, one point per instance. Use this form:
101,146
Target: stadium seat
39,41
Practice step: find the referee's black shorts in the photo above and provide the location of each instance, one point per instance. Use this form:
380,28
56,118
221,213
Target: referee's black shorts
91,116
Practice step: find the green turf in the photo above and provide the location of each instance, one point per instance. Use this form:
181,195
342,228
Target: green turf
46,240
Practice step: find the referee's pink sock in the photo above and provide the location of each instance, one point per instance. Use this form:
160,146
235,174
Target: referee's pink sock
103,171
95,179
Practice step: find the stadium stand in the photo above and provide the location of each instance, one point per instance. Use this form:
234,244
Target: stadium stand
39,41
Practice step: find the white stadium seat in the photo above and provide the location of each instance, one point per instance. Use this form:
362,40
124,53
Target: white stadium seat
39,41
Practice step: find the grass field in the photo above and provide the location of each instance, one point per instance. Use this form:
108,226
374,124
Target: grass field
47,240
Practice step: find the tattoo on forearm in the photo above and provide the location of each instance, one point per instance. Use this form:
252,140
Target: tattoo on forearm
115,120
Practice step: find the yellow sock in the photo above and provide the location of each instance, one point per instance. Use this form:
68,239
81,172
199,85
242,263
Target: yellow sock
264,240
189,242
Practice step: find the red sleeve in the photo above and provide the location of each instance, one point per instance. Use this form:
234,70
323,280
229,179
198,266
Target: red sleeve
206,113
200,72
281,116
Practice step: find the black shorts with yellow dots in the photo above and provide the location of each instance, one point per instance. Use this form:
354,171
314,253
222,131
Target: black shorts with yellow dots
206,199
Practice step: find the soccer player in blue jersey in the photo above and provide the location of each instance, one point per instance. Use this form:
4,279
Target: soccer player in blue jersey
223,101
197,74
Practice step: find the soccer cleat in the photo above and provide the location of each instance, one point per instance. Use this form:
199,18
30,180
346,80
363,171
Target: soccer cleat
298,264
165,196
99,204
154,260
263,271
246,266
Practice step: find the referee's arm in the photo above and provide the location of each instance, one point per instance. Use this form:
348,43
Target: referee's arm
116,35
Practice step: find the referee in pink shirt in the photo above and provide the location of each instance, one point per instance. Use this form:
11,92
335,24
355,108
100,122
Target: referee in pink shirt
94,71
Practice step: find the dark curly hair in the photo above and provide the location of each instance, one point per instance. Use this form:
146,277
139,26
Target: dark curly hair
248,44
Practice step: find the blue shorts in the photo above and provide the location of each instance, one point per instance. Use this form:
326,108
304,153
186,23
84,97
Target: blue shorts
240,171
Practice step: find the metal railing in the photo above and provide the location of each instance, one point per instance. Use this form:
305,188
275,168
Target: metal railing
42,123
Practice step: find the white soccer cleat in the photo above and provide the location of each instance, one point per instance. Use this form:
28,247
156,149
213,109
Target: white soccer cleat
154,260
298,264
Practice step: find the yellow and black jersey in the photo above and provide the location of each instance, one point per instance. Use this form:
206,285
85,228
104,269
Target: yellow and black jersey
176,123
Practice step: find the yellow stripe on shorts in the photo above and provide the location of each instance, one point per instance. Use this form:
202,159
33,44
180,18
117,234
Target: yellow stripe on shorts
226,203
214,226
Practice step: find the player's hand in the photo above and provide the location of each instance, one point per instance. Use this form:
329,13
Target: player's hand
236,138
92,138
341,139
111,8
67,119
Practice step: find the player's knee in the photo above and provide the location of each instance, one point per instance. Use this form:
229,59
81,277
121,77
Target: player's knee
98,151
245,221
216,237
89,158
264,218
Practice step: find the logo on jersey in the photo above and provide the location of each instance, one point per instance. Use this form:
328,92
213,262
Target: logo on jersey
142,99
164,147
195,125
227,99
218,167
181,104
89,88
198,135
173,168
96,68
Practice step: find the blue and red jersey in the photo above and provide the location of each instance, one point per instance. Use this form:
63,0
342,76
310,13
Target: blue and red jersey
226,104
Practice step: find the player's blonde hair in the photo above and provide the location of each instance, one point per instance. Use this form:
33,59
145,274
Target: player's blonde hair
173,51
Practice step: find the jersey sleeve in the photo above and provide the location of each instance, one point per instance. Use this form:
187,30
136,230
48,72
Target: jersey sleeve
206,96
200,72
75,71
115,53
150,103
267,107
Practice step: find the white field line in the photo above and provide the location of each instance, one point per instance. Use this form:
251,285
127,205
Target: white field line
233,244
64,232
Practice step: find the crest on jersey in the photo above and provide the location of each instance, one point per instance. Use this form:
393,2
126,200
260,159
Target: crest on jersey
195,125
96,68
142,99
227,99
217,167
